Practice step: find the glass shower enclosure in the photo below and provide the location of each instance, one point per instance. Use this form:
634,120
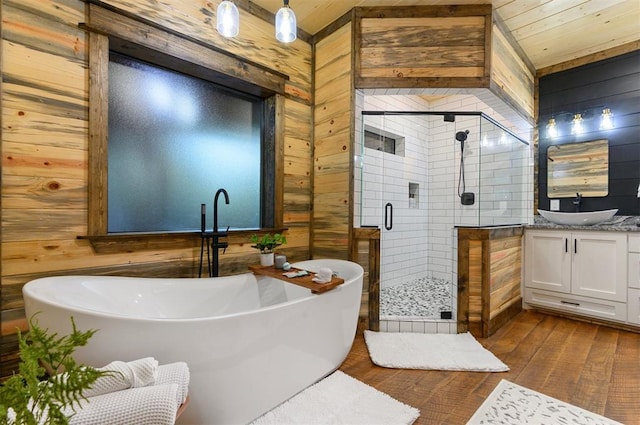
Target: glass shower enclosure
423,175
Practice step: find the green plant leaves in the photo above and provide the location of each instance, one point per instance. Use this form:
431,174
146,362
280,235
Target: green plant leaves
50,382
267,242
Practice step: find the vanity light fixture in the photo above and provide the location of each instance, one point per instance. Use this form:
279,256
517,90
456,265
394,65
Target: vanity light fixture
597,118
606,120
286,24
552,128
228,19
576,124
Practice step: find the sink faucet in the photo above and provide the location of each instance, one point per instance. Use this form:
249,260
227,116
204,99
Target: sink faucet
577,202
216,235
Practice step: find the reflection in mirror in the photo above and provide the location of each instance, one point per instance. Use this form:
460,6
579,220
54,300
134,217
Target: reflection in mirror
578,168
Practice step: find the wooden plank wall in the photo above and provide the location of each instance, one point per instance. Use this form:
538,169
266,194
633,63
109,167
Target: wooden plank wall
505,280
45,84
458,46
365,250
333,145
489,278
512,75
422,46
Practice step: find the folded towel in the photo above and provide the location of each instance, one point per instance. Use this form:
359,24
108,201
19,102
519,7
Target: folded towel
138,392
151,405
125,375
175,373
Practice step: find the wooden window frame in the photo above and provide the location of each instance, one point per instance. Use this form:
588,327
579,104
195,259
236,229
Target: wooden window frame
113,29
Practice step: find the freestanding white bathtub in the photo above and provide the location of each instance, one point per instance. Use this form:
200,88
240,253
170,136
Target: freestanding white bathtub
250,343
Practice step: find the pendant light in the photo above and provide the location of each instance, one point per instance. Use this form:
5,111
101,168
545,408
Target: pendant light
228,19
286,24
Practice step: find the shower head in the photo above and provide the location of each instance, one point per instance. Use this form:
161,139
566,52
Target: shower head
461,136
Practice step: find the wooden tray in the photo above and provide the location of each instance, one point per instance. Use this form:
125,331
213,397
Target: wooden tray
305,281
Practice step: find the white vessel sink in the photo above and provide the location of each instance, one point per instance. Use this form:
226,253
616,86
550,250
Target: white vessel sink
578,218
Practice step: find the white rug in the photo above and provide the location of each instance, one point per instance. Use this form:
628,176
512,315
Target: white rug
431,351
511,404
340,399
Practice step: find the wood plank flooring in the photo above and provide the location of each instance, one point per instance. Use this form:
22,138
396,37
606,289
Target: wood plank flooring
590,366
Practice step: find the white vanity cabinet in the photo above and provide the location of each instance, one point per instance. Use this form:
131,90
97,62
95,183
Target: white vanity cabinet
582,272
633,298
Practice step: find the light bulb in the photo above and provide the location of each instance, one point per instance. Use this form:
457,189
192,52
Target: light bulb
228,19
576,124
552,128
286,26
606,120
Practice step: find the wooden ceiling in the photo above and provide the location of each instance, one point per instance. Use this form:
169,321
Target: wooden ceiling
550,32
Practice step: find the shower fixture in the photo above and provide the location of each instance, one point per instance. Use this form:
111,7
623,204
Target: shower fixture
461,136
466,198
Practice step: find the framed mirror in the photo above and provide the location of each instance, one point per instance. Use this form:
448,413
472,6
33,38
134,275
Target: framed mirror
578,168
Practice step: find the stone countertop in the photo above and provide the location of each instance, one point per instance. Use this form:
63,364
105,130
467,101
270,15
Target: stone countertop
619,223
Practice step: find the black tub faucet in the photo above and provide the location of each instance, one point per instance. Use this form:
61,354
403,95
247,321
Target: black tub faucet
216,235
577,202
215,207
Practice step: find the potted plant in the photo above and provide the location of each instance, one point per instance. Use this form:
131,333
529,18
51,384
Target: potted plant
266,244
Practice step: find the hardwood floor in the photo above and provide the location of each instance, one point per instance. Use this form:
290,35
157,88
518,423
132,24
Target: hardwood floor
590,366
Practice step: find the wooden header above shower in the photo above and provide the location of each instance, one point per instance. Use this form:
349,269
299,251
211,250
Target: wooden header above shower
462,46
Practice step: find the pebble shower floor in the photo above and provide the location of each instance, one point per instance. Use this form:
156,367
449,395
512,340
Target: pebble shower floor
422,298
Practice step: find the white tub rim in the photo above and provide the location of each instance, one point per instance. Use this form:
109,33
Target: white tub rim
28,292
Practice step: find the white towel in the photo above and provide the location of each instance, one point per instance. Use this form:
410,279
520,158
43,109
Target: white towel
151,405
175,373
152,395
124,375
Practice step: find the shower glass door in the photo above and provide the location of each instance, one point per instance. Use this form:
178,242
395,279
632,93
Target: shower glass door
394,197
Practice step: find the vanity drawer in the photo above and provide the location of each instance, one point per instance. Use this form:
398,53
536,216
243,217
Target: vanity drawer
634,242
633,305
634,270
584,306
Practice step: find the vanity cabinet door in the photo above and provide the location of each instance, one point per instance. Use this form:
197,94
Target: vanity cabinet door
634,261
548,260
599,268
633,303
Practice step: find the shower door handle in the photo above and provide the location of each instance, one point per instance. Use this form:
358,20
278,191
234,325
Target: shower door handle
388,216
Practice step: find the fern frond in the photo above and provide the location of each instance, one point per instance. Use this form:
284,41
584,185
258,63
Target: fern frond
40,396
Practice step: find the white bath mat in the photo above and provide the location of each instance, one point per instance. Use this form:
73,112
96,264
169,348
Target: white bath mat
340,399
512,404
431,351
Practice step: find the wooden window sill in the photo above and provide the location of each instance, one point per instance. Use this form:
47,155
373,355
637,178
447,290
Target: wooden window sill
132,242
